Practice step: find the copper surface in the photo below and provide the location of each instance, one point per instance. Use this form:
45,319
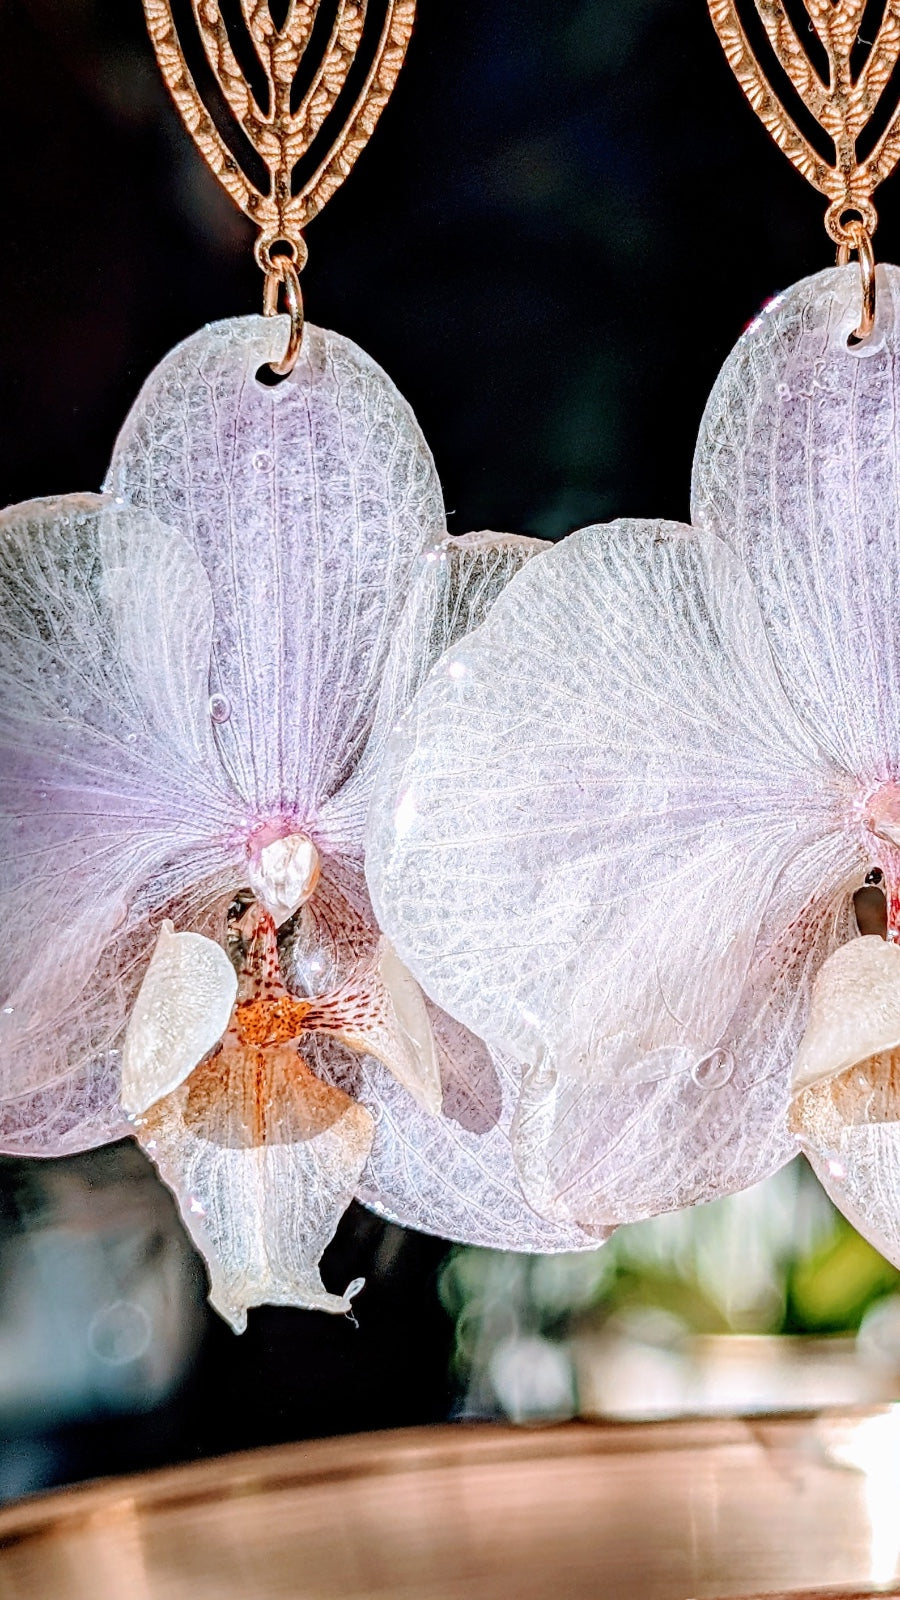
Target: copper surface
660,1511
842,106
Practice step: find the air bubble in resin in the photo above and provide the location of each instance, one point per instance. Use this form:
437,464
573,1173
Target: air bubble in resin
713,1071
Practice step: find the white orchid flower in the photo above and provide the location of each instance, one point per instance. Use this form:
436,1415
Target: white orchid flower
619,830
198,669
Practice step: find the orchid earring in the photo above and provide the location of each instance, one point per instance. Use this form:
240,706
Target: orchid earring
199,668
641,830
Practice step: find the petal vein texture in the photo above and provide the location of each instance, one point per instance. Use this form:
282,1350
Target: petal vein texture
798,469
599,837
307,504
110,792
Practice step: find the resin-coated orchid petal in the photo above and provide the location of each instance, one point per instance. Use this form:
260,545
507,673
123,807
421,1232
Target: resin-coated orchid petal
410,1016
454,1174
386,1020
262,1155
181,1011
307,503
76,1112
110,795
451,1174
264,1159
617,1150
584,813
797,468
846,1111
452,588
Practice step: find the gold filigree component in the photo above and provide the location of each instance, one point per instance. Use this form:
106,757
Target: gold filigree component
279,135
842,107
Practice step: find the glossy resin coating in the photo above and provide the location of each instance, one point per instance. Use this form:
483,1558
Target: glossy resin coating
618,830
199,669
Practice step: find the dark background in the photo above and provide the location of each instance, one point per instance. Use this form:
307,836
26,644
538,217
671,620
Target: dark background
565,218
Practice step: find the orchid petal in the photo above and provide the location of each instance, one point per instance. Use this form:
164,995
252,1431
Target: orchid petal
181,1011
688,1127
858,1165
855,1011
307,503
454,1175
450,1174
111,800
379,1011
411,1014
263,1159
846,1110
581,819
797,468
78,1112
454,584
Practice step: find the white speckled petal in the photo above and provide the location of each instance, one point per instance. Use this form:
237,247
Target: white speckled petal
453,1174
307,503
453,586
379,1011
263,1159
76,1113
619,1150
181,1010
111,798
582,817
798,470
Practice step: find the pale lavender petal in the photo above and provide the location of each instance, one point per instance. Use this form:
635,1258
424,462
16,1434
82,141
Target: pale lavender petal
450,1174
453,586
78,1112
112,801
583,815
307,503
608,1151
798,470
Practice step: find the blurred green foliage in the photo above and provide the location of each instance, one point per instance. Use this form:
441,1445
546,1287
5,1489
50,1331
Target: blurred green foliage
778,1259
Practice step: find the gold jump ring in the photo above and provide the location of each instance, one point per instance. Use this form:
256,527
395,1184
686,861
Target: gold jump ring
861,242
284,275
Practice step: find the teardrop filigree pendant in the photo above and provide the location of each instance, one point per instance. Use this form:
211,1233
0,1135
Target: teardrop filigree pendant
842,103
281,129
